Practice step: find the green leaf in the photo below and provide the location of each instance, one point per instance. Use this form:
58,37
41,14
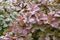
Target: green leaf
1,19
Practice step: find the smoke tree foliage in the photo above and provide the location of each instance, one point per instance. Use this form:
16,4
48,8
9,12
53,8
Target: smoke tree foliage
29,20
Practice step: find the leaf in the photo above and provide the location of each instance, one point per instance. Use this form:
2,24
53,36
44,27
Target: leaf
1,19
21,22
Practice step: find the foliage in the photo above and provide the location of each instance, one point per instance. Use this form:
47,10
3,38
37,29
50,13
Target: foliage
29,20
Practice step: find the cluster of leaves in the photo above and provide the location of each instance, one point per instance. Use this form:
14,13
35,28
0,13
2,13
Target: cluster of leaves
29,20
7,14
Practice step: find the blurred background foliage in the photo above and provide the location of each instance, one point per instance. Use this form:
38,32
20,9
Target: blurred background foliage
8,13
